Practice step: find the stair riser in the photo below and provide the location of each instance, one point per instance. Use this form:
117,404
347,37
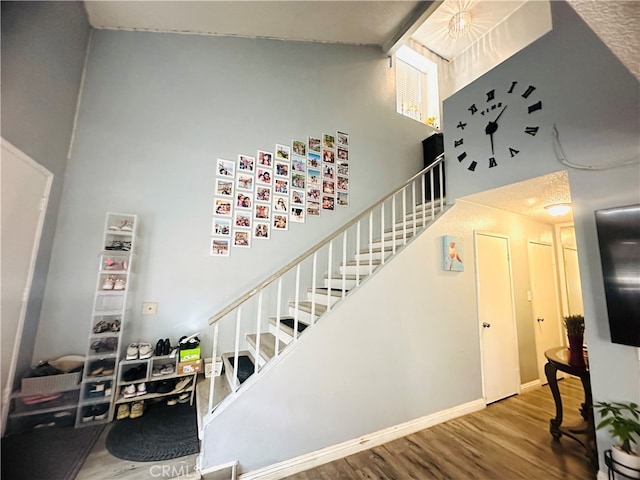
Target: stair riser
337,283
353,269
284,336
254,355
303,316
364,256
322,298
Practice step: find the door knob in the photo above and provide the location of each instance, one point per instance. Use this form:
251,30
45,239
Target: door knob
540,319
486,325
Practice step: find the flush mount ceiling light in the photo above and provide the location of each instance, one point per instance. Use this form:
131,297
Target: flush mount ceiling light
459,24
558,209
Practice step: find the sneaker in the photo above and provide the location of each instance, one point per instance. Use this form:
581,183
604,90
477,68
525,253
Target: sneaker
137,409
123,411
184,397
87,415
145,350
142,389
138,372
119,284
167,369
132,351
172,401
156,372
129,391
108,283
182,384
100,411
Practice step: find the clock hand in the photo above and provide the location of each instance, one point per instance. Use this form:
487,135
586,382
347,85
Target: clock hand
491,138
501,112
492,127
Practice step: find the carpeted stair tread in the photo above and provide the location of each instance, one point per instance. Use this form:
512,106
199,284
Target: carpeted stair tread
245,367
334,292
306,307
286,325
267,344
349,276
363,262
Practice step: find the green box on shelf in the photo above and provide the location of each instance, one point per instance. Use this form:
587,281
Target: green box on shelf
190,354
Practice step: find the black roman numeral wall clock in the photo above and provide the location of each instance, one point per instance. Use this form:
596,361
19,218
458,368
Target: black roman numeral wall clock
484,121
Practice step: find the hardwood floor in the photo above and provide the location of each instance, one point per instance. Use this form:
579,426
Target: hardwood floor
508,440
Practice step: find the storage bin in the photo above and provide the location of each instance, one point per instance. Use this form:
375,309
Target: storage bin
69,398
50,383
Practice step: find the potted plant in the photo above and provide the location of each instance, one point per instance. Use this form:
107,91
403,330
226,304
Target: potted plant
624,422
575,333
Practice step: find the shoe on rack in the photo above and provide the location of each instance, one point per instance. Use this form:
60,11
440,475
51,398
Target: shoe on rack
152,387
172,401
141,389
159,348
115,325
100,411
182,384
132,351
156,372
87,415
108,284
166,347
145,350
100,327
119,284
123,411
167,369
184,397
165,386
135,373
129,391
137,409
190,342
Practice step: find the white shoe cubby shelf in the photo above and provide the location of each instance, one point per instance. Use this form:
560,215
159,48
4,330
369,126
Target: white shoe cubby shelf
111,307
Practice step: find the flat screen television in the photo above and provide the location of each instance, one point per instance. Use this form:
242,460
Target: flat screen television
619,241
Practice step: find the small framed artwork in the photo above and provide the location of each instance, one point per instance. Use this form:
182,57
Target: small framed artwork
343,199
282,169
263,194
298,164
263,212
280,222
313,194
246,163
244,182
299,147
315,144
265,159
298,180
343,154
342,139
243,200
242,238
297,214
283,152
280,204
343,168
313,209
328,155
313,176
226,168
264,176
282,186
242,219
222,206
261,230
343,183
313,160
452,250
224,187
219,247
297,197
221,226
329,187
328,171
328,203
328,141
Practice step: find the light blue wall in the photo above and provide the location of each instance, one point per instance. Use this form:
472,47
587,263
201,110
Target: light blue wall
157,111
43,52
594,100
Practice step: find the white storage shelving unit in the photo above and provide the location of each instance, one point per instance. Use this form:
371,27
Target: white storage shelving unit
111,308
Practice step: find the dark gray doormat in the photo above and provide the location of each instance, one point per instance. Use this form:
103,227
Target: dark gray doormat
48,454
163,432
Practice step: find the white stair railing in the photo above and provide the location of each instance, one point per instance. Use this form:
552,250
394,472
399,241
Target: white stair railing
253,309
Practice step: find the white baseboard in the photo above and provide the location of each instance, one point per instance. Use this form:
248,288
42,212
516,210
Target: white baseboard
602,475
341,450
525,387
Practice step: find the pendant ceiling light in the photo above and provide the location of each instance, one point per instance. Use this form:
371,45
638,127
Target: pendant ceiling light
459,24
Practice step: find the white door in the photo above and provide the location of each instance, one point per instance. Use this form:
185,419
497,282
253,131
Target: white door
544,302
500,364
24,192
572,276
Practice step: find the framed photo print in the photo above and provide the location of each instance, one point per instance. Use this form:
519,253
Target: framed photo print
298,164
313,160
224,187
313,209
242,219
219,247
343,154
280,222
297,197
222,206
313,194
328,171
221,226
265,159
343,199
282,186
263,194
261,230
343,168
246,163
299,147
328,155
313,175
328,203
328,141
282,169
298,180
226,168
297,214
243,200
264,176
328,187
283,152
262,212
244,182
342,139
314,144
280,204
452,251
343,183
242,238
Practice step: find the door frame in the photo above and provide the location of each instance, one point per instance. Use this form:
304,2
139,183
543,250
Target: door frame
8,388
476,233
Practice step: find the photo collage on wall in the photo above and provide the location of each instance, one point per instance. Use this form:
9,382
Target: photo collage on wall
257,195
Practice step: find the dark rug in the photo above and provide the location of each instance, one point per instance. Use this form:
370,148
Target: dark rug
245,367
161,433
48,454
